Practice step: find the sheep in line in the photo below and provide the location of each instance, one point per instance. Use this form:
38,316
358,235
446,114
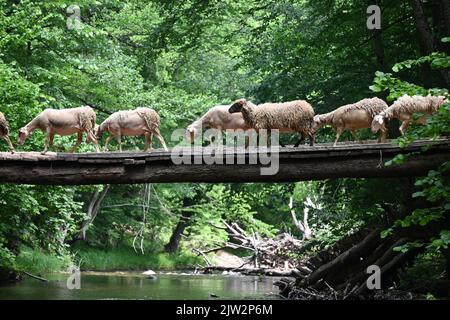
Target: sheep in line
353,117
137,122
217,118
63,122
404,108
4,132
293,116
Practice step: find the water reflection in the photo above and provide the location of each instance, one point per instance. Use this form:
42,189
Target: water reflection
135,286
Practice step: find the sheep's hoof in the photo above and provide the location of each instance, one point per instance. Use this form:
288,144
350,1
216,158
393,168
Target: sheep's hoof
43,153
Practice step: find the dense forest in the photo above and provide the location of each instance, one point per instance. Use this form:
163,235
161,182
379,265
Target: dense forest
183,57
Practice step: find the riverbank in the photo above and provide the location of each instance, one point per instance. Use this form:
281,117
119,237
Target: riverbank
96,259
125,258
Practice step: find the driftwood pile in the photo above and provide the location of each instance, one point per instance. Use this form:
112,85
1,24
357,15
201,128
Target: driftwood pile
269,256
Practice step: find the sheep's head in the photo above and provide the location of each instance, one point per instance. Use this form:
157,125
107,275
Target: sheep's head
98,132
377,123
23,135
237,106
317,123
191,133
443,100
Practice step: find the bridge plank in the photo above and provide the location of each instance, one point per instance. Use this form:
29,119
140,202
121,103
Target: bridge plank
322,161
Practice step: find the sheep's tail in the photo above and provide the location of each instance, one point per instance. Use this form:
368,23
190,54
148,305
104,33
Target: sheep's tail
87,119
149,120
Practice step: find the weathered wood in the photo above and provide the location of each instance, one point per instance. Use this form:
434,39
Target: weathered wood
322,161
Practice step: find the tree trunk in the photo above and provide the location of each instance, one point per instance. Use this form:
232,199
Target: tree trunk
93,209
428,40
378,43
446,16
177,233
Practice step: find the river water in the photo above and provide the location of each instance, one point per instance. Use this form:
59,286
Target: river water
133,285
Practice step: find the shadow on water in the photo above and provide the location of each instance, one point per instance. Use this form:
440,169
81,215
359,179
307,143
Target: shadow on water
129,285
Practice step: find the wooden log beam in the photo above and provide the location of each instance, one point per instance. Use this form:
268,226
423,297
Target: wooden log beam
322,161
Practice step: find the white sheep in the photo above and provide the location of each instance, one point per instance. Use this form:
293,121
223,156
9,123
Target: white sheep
217,118
293,116
138,122
64,122
404,108
353,117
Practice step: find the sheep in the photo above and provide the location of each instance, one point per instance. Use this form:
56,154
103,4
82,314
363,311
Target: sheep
404,108
63,122
217,118
293,116
4,132
354,116
137,122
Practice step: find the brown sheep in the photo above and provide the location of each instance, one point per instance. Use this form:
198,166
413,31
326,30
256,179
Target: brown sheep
138,122
64,122
404,108
353,117
4,132
293,116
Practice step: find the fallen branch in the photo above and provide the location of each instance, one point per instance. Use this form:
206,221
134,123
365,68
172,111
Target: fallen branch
36,277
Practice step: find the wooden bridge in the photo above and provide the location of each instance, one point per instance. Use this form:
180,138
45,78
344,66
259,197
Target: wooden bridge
294,164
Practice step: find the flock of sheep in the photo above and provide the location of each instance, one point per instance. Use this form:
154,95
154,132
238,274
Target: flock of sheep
294,116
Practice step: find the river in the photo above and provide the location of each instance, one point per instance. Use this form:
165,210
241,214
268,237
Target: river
133,285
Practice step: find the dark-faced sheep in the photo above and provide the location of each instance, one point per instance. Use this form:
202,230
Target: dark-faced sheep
137,122
294,116
64,122
4,132
353,117
217,118
405,107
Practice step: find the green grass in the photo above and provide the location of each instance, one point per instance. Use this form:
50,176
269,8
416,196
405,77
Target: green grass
36,261
125,258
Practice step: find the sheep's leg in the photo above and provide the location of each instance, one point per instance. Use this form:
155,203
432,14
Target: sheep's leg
404,126
382,137
148,141
119,140
302,138
107,142
312,139
78,142
91,137
47,140
52,137
338,135
219,141
161,139
8,141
